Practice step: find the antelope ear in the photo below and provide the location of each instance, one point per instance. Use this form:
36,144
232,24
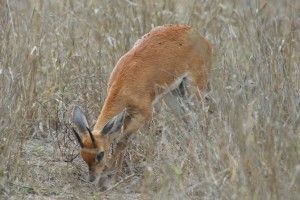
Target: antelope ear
79,120
115,124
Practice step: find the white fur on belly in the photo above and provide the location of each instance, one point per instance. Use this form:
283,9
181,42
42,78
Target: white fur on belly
168,88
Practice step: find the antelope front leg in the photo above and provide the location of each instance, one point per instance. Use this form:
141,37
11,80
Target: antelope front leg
131,125
118,156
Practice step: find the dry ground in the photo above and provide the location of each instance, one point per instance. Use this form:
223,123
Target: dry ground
244,143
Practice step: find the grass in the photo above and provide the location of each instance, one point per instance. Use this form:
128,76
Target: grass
243,144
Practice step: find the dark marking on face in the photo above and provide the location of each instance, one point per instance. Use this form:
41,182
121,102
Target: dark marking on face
100,156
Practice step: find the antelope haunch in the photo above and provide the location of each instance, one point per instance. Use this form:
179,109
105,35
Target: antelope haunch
162,63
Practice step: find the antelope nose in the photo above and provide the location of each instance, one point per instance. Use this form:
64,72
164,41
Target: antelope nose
92,177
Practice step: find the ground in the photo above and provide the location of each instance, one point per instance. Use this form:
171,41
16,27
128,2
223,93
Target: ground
242,143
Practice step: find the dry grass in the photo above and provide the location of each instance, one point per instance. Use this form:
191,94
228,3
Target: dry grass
55,54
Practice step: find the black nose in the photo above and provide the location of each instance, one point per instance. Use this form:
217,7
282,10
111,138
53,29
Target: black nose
92,177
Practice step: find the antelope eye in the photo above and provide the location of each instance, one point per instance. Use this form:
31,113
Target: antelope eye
100,156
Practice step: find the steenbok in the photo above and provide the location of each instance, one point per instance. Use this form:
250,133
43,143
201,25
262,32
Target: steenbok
160,65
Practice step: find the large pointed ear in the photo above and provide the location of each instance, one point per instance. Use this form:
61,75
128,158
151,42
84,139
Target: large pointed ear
115,124
79,120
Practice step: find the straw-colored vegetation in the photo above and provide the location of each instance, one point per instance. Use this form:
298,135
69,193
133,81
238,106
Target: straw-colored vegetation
244,143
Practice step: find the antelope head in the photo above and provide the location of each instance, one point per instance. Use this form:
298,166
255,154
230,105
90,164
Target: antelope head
94,147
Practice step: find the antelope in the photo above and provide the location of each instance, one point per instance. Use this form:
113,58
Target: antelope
159,66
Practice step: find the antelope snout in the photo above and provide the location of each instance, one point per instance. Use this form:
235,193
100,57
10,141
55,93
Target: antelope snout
92,177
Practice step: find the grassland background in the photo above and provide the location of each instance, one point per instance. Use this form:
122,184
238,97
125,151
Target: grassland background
243,144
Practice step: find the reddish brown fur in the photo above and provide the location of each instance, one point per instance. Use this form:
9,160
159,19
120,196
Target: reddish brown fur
157,59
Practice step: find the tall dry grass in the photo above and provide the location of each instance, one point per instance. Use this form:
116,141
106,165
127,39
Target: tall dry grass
243,144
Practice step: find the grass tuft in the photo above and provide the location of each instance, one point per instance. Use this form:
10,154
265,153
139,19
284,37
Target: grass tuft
243,144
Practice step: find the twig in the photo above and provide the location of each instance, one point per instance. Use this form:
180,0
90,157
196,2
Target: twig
114,186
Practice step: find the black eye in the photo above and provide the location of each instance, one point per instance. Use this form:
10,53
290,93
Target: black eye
99,157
